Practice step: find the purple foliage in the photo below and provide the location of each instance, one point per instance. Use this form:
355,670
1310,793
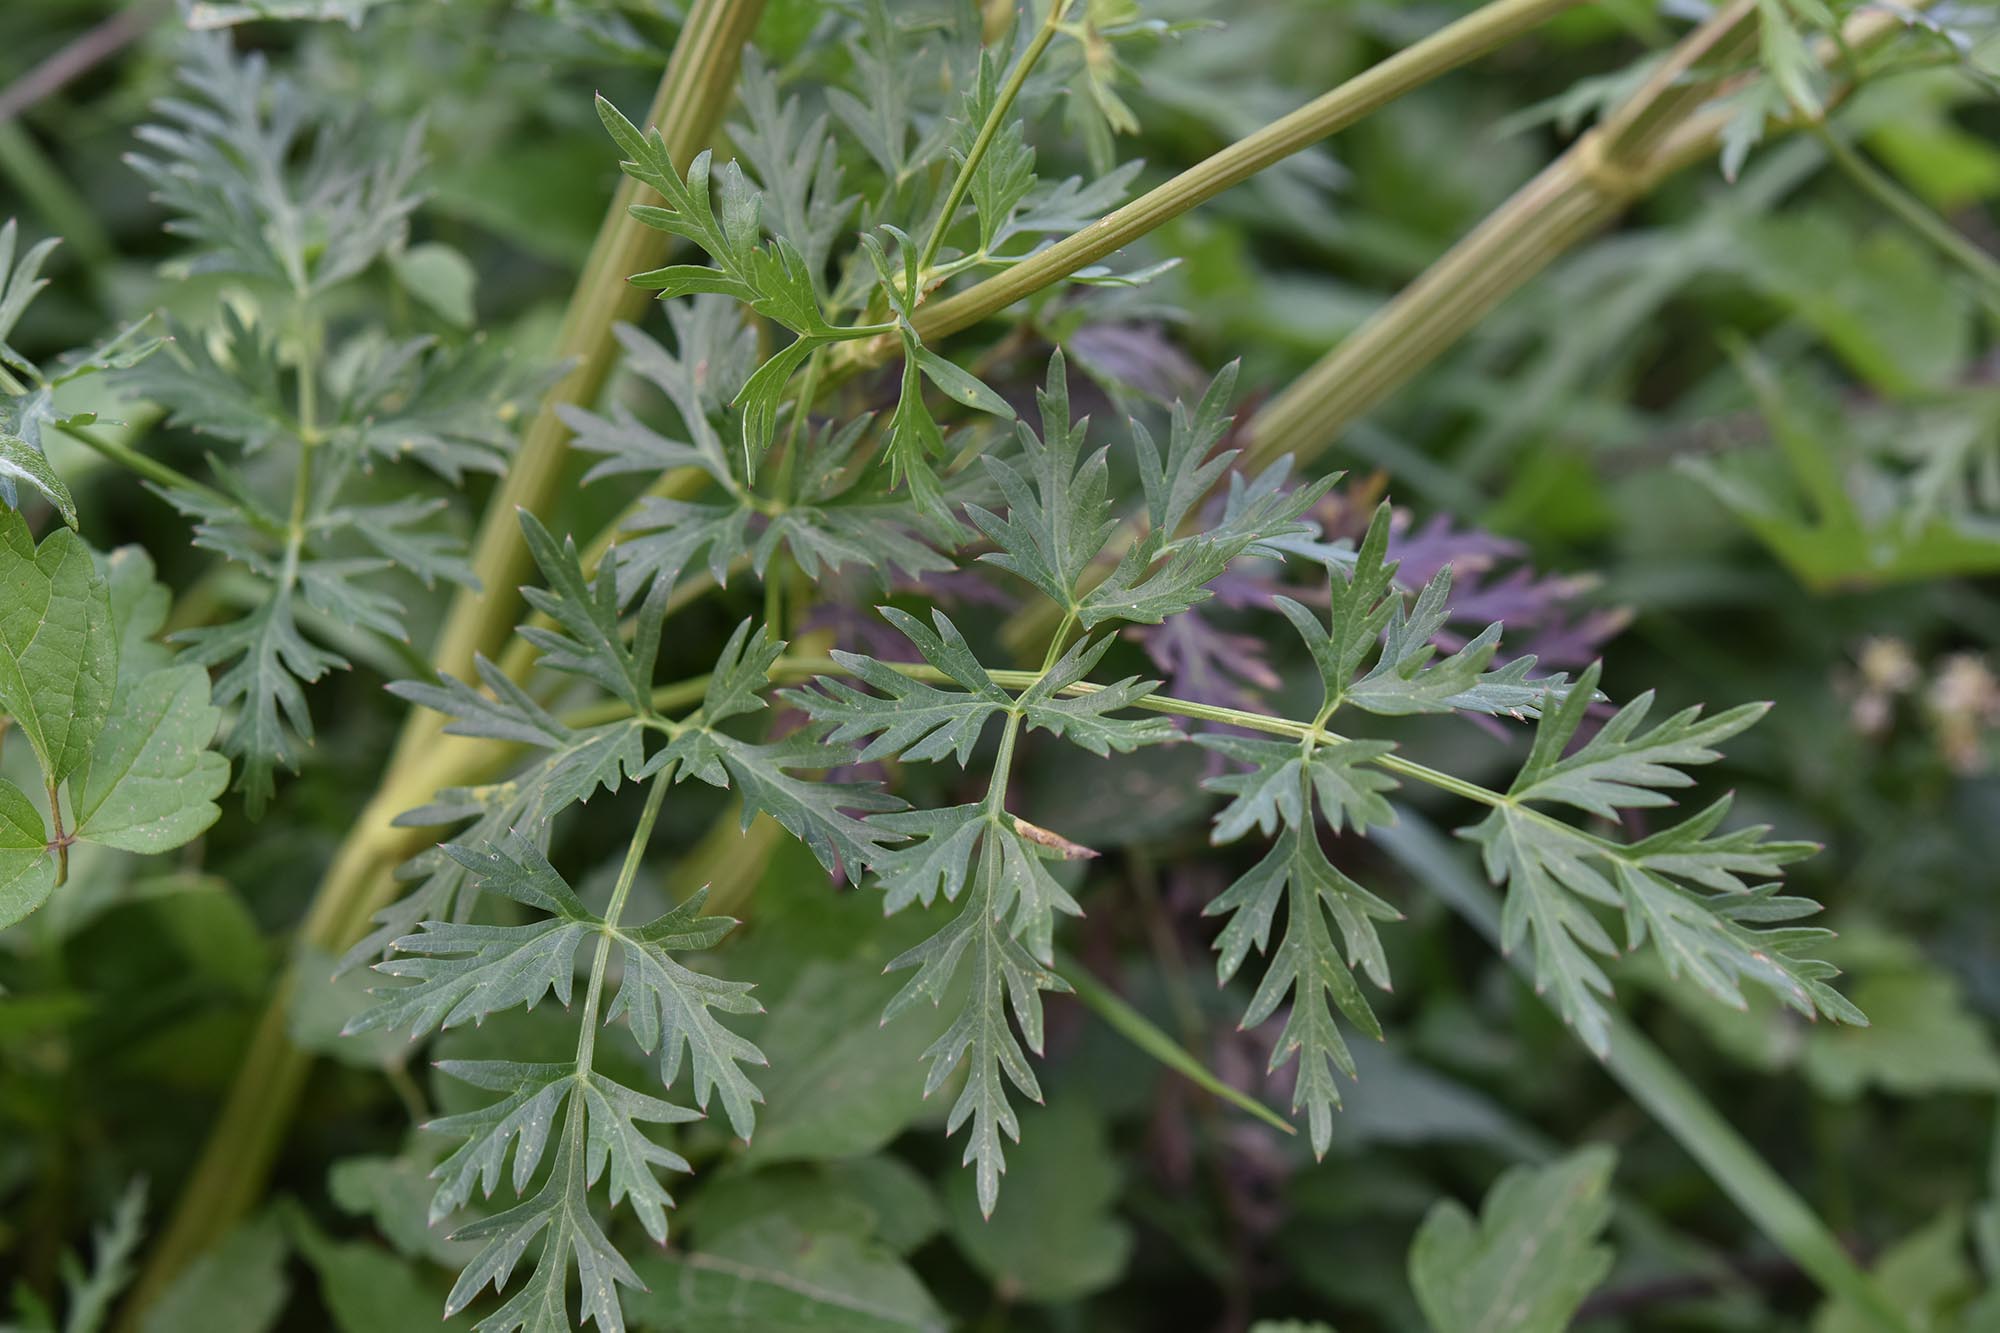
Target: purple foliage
1544,614
1205,664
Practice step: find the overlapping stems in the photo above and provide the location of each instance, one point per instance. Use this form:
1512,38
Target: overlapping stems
766,277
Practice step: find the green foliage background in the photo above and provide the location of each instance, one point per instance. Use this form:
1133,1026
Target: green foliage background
1743,445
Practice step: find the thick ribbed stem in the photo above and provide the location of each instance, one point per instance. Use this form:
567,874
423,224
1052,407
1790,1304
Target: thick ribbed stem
1670,123
1475,35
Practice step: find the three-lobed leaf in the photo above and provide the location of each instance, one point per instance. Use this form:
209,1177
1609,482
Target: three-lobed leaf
1530,1258
151,782
27,870
58,649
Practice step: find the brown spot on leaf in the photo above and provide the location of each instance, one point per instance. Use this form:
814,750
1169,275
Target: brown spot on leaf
1063,847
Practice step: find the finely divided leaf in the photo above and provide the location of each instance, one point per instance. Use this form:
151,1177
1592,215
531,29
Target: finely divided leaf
464,972
1622,767
588,642
1377,650
1697,897
560,1214
271,659
1282,774
1002,974
1548,887
672,1008
905,717
1307,967
263,192
821,814
1059,513
1169,570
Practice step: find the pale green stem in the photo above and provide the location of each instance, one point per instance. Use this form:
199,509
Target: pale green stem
62,838
1912,213
1484,30
600,965
995,118
1675,119
1143,1033
152,469
67,213
1003,763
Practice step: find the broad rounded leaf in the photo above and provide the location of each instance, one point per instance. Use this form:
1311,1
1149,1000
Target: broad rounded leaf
151,783
58,650
27,871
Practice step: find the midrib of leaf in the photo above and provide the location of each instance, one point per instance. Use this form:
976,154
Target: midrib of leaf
600,963
1310,735
995,118
985,1059
569,1176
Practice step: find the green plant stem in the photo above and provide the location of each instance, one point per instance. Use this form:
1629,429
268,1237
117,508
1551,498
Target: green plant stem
1674,1103
152,469
1010,732
1671,122
800,666
61,842
1911,212
600,965
995,118
1486,29
697,85
229,1175
1143,1033
66,212
1546,218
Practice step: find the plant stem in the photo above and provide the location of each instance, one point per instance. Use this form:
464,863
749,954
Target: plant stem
1665,1093
62,838
66,213
697,85
1141,1031
1912,213
1671,122
1010,732
229,1175
152,469
995,118
1486,29
600,966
